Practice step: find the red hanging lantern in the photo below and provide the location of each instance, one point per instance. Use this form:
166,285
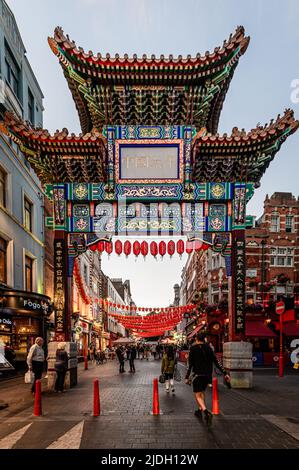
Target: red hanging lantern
205,247
171,248
118,246
136,248
154,248
162,248
127,248
93,247
189,247
108,247
144,248
101,246
180,246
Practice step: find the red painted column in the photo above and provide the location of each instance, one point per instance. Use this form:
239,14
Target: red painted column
38,399
156,405
96,398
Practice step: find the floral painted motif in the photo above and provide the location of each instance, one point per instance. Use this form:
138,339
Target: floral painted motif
217,191
81,224
216,223
80,191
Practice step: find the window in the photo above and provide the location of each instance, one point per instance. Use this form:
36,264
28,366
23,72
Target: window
2,187
282,257
274,225
289,223
3,260
30,107
28,274
12,71
28,214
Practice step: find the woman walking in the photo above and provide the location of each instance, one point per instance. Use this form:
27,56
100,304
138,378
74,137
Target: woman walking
61,367
167,368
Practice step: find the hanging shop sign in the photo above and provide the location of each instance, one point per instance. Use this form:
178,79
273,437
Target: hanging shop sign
84,327
36,305
59,284
5,325
22,302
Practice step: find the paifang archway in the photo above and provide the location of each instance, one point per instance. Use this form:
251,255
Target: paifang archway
149,135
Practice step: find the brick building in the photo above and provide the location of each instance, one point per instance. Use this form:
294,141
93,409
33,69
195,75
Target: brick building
272,259
273,250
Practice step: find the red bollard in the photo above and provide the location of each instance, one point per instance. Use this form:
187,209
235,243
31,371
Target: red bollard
156,406
85,363
96,398
38,399
215,397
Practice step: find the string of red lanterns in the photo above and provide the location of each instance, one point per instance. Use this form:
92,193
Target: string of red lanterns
149,323
111,305
80,283
154,248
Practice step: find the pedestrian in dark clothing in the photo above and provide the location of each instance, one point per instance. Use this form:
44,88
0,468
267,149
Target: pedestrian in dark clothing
61,366
132,358
167,368
121,358
141,352
200,364
137,351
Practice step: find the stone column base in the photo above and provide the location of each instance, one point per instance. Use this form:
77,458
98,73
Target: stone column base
71,375
237,360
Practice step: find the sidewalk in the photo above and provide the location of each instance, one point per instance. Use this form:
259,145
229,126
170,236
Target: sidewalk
265,417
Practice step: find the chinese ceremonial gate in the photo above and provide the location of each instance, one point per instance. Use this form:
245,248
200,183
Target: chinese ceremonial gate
149,161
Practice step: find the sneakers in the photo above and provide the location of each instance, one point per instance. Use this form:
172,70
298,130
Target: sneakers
173,390
167,390
208,418
198,414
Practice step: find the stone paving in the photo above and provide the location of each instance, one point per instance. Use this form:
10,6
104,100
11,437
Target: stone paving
266,417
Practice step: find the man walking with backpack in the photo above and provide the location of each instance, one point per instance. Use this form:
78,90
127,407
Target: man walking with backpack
200,368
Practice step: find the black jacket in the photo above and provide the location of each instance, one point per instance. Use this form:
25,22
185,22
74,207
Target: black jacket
201,360
120,354
133,353
61,362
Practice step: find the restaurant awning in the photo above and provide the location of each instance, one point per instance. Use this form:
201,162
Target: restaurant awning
258,329
291,329
196,330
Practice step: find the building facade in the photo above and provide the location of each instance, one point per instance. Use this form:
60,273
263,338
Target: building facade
22,231
273,250
272,273
87,317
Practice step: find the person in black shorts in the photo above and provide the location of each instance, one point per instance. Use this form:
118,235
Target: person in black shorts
200,363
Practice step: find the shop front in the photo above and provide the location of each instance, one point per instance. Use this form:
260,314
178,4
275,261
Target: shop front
83,329
23,317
